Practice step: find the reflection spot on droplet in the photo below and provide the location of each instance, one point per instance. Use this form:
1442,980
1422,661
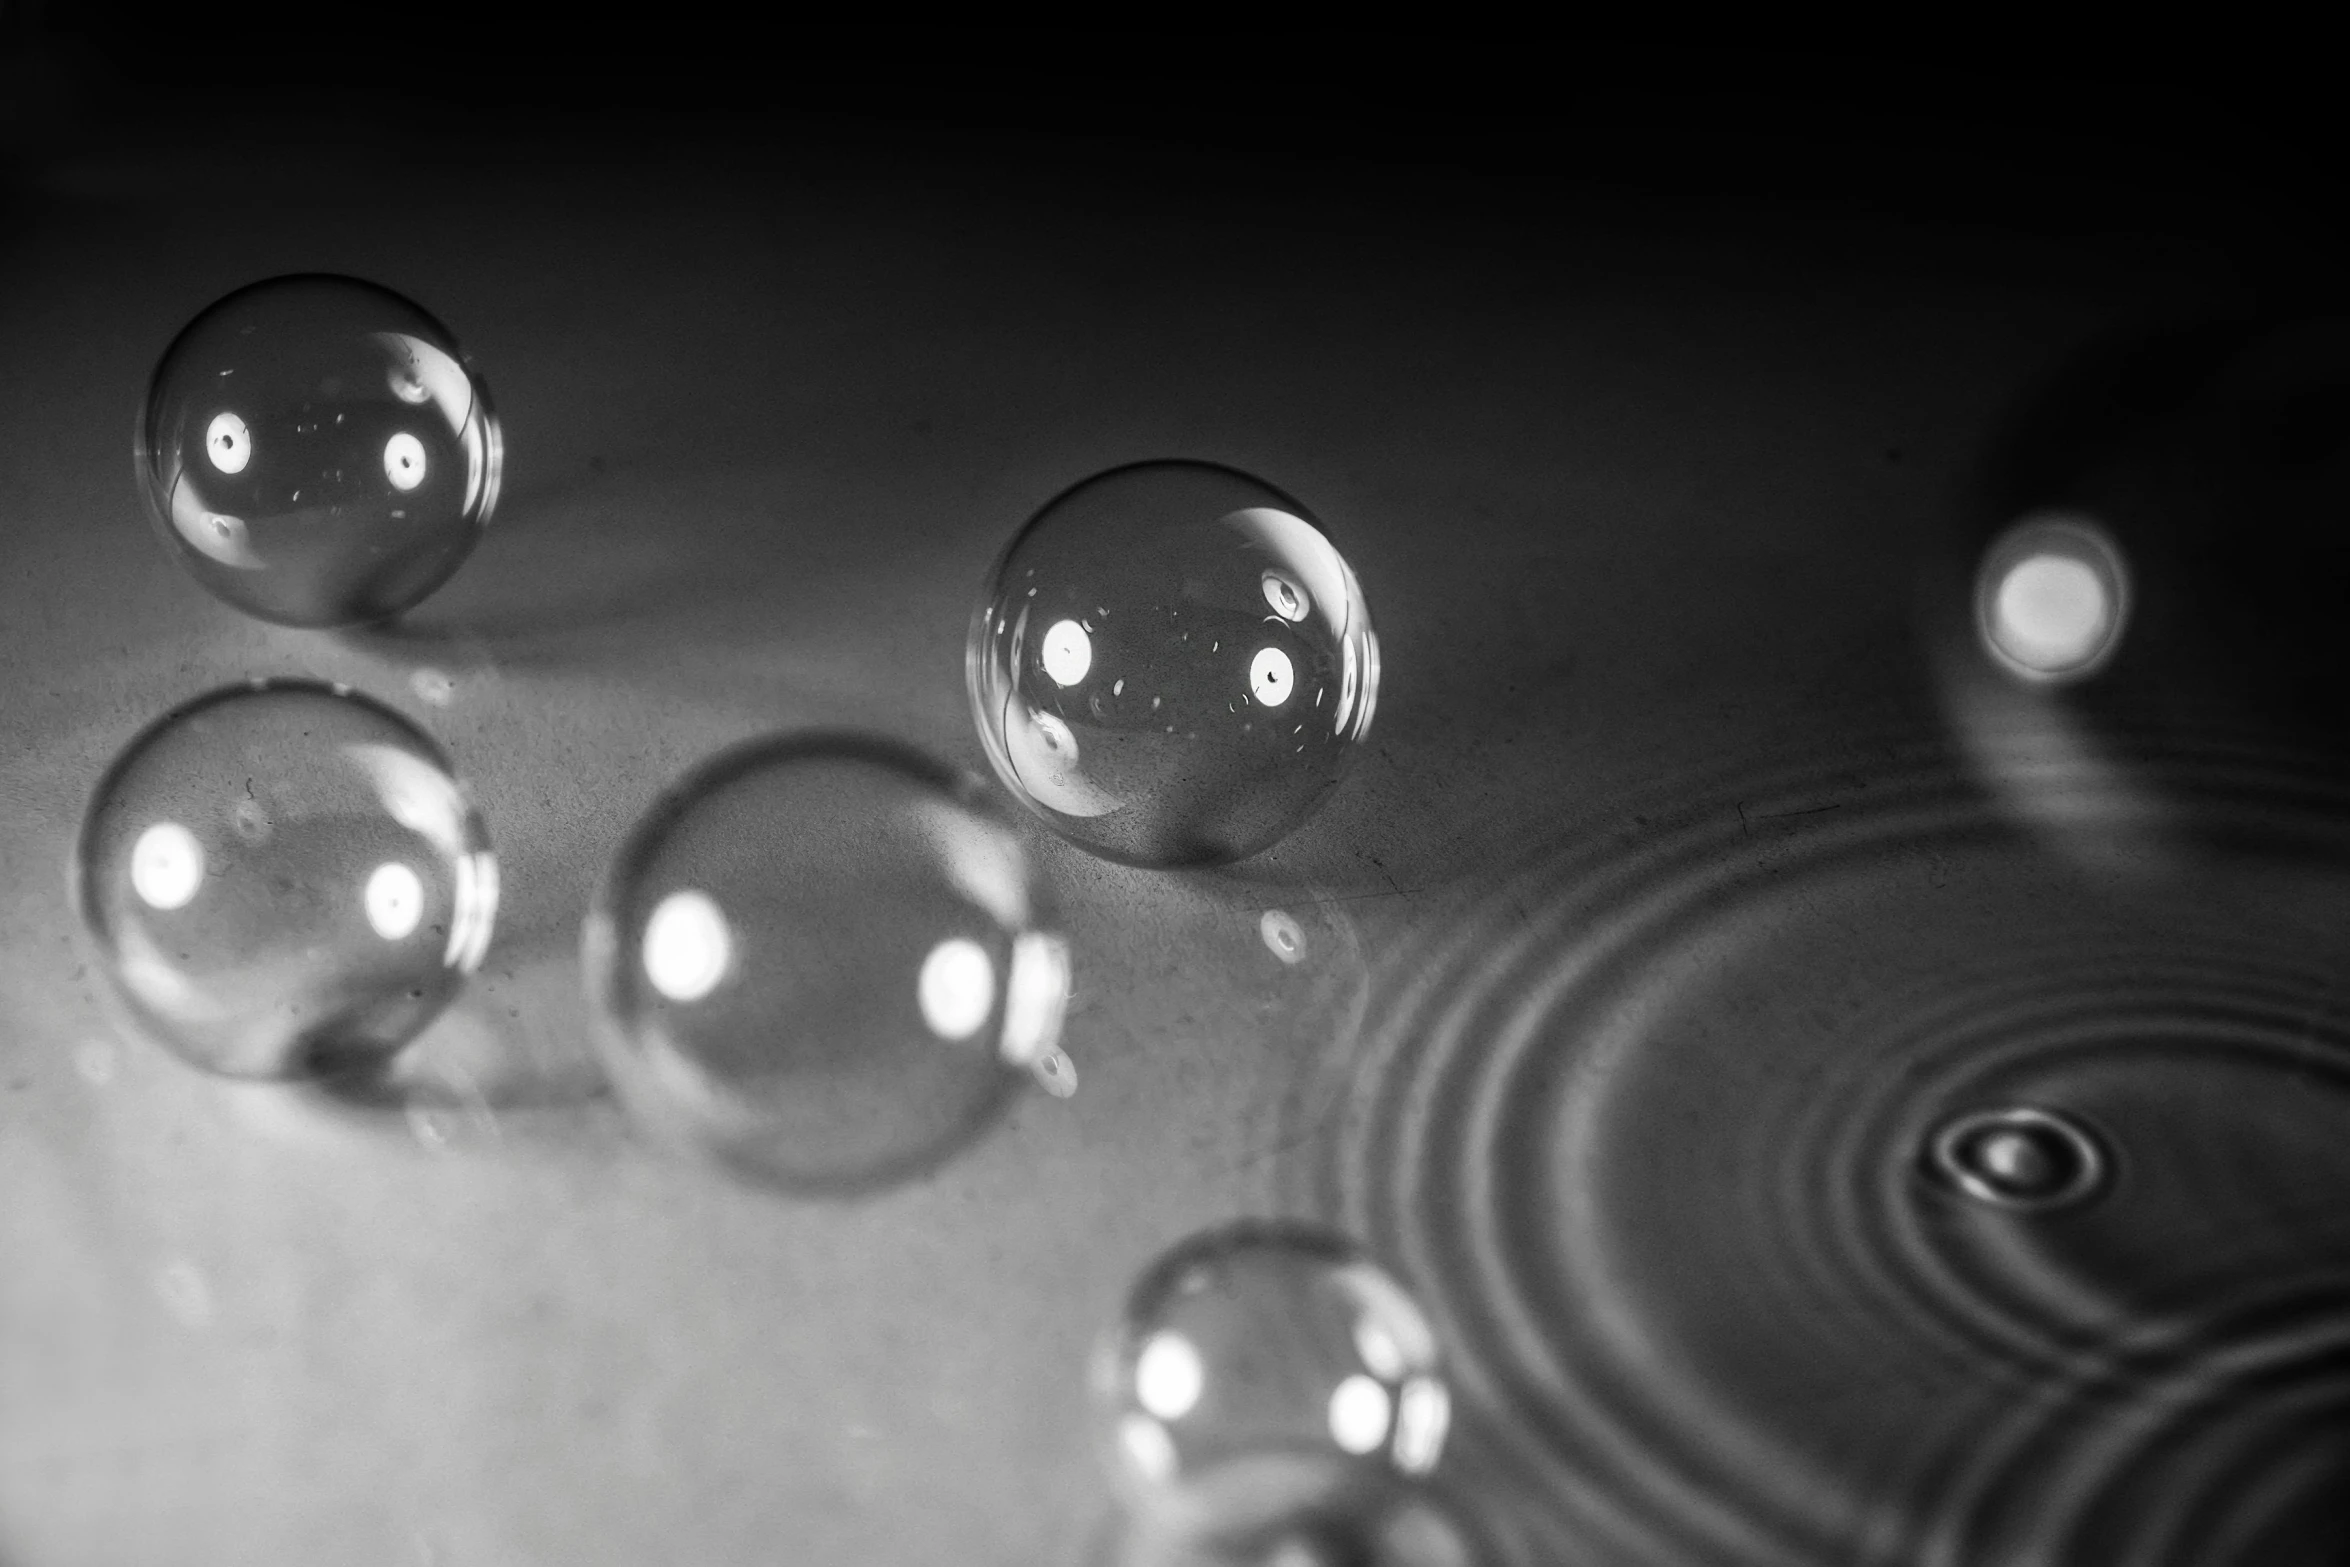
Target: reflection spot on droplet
228,443
1168,1376
1059,742
1281,936
404,461
687,946
1036,996
1382,1355
1359,1413
1285,597
2020,1158
1271,677
2052,612
1423,1415
1068,652
957,988
395,900
2051,599
167,866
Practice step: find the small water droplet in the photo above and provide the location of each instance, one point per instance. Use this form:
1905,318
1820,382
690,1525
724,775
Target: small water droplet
1282,937
1056,1072
2020,1158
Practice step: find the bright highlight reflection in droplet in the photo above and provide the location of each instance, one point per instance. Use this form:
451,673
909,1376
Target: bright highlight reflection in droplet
1068,652
476,911
1168,1376
957,988
395,900
2051,599
1035,1000
404,461
1423,1414
2052,612
687,946
1271,677
167,866
1285,598
228,443
1359,1413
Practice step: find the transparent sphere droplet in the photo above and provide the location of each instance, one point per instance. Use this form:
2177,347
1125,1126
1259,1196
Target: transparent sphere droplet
284,879
824,960
2052,599
1172,665
1266,1372
318,451
2023,1157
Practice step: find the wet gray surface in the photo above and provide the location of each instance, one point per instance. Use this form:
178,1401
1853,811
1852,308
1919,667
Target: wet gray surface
1658,929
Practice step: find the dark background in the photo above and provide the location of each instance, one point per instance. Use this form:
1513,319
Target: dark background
2029,126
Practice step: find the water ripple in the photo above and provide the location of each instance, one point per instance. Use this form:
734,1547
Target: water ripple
1650,1127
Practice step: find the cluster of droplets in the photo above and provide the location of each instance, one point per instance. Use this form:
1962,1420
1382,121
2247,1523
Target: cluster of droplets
822,960
827,962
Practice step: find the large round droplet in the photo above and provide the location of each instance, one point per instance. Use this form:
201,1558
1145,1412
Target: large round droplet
1265,1374
1171,664
824,960
318,451
284,878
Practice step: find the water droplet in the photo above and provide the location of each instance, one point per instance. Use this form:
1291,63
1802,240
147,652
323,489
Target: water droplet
1240,1358
1149,554
1281,935
284,879
2021,1157
226,485
824,960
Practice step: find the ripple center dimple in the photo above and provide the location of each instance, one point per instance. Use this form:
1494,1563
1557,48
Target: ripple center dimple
2019,1158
